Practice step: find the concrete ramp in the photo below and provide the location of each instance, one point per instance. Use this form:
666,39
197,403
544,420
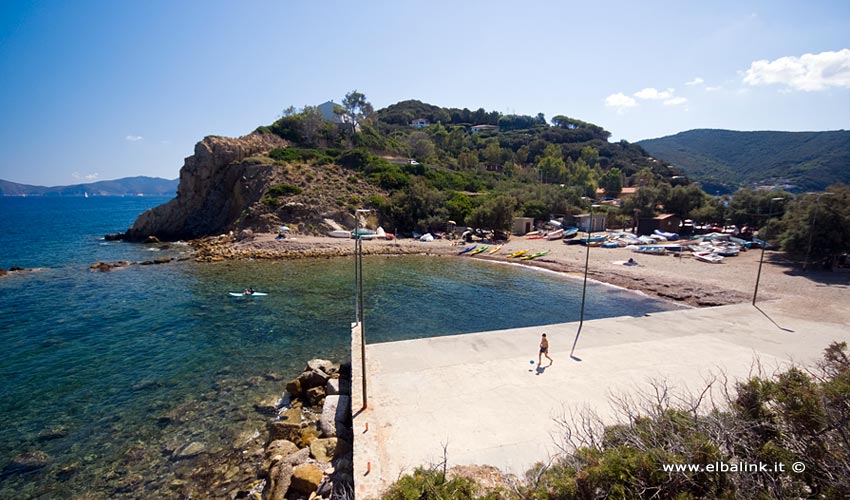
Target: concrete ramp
480,396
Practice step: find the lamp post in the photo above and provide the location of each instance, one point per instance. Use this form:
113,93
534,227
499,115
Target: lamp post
763,244
812,229
584,286
358,301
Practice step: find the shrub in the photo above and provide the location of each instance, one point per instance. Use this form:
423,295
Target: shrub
277,190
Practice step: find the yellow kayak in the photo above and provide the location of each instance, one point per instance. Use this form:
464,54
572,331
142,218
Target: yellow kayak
534,255
495,249
518,253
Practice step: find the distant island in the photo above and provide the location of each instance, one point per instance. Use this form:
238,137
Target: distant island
723,161
127,186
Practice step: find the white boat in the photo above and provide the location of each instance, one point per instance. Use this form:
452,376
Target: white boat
426,237
710,257
650,249
340,234
555,235
380,233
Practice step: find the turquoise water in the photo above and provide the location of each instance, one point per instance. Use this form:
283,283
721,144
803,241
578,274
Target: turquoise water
108,373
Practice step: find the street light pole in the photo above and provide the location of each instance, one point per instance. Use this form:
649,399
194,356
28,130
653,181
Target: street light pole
763,244
358,275
812,228
584,286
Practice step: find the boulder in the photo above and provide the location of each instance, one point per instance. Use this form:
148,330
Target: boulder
280,448
279,480
332,387
308,434
294,387
267,406
335,412
299,457
316,395
27,462
323,449
322,365
313,378
245,235
306,478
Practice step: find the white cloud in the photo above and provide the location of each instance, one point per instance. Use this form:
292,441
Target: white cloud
654,94
675,101
809,72
695,81
712,89
620,101
133,138
88,177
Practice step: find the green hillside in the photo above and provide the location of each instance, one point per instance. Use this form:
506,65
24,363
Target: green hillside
450,169
725,160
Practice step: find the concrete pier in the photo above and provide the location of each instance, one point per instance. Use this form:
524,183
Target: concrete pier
480,396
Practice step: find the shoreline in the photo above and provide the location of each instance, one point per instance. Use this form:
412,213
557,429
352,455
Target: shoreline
677,279
563,259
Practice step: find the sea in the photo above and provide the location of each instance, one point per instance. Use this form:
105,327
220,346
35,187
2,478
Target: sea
105,375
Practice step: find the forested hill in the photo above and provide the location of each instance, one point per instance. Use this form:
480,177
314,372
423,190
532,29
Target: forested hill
725,160
127,186
435,164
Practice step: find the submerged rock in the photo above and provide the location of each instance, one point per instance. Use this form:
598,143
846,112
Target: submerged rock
27,462
190,450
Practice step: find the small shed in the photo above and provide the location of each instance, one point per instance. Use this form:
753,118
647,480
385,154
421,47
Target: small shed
584,222
665,222
522,225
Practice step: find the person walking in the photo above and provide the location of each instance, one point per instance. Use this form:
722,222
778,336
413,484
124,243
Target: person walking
544,350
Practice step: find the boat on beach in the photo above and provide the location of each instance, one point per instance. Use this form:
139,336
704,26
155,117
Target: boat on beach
570,232
340,234
467,249
710,257
555,235
479,249
518,253
495,249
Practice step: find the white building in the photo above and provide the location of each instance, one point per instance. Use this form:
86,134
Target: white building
483,128
419,123
328,112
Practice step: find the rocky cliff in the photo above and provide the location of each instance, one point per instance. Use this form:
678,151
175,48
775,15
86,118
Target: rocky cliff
222,187
216,185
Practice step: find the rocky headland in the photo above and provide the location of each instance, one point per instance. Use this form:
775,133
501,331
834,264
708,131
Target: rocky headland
226,186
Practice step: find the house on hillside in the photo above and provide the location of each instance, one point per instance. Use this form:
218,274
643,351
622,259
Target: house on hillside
483,128
626,192
419,123
328,110
668,223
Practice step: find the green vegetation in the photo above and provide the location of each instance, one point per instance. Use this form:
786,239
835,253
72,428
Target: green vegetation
277,190
793,417
446,171
724,160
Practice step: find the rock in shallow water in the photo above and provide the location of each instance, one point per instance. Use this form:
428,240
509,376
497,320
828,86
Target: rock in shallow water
190,450
27,462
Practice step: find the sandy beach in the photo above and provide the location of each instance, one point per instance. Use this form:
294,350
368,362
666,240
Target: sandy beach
818,295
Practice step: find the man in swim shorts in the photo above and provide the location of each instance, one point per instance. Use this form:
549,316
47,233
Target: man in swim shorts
544,349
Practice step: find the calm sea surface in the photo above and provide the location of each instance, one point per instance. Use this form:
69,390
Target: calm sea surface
108,373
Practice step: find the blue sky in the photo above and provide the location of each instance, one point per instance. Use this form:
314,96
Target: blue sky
102,90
